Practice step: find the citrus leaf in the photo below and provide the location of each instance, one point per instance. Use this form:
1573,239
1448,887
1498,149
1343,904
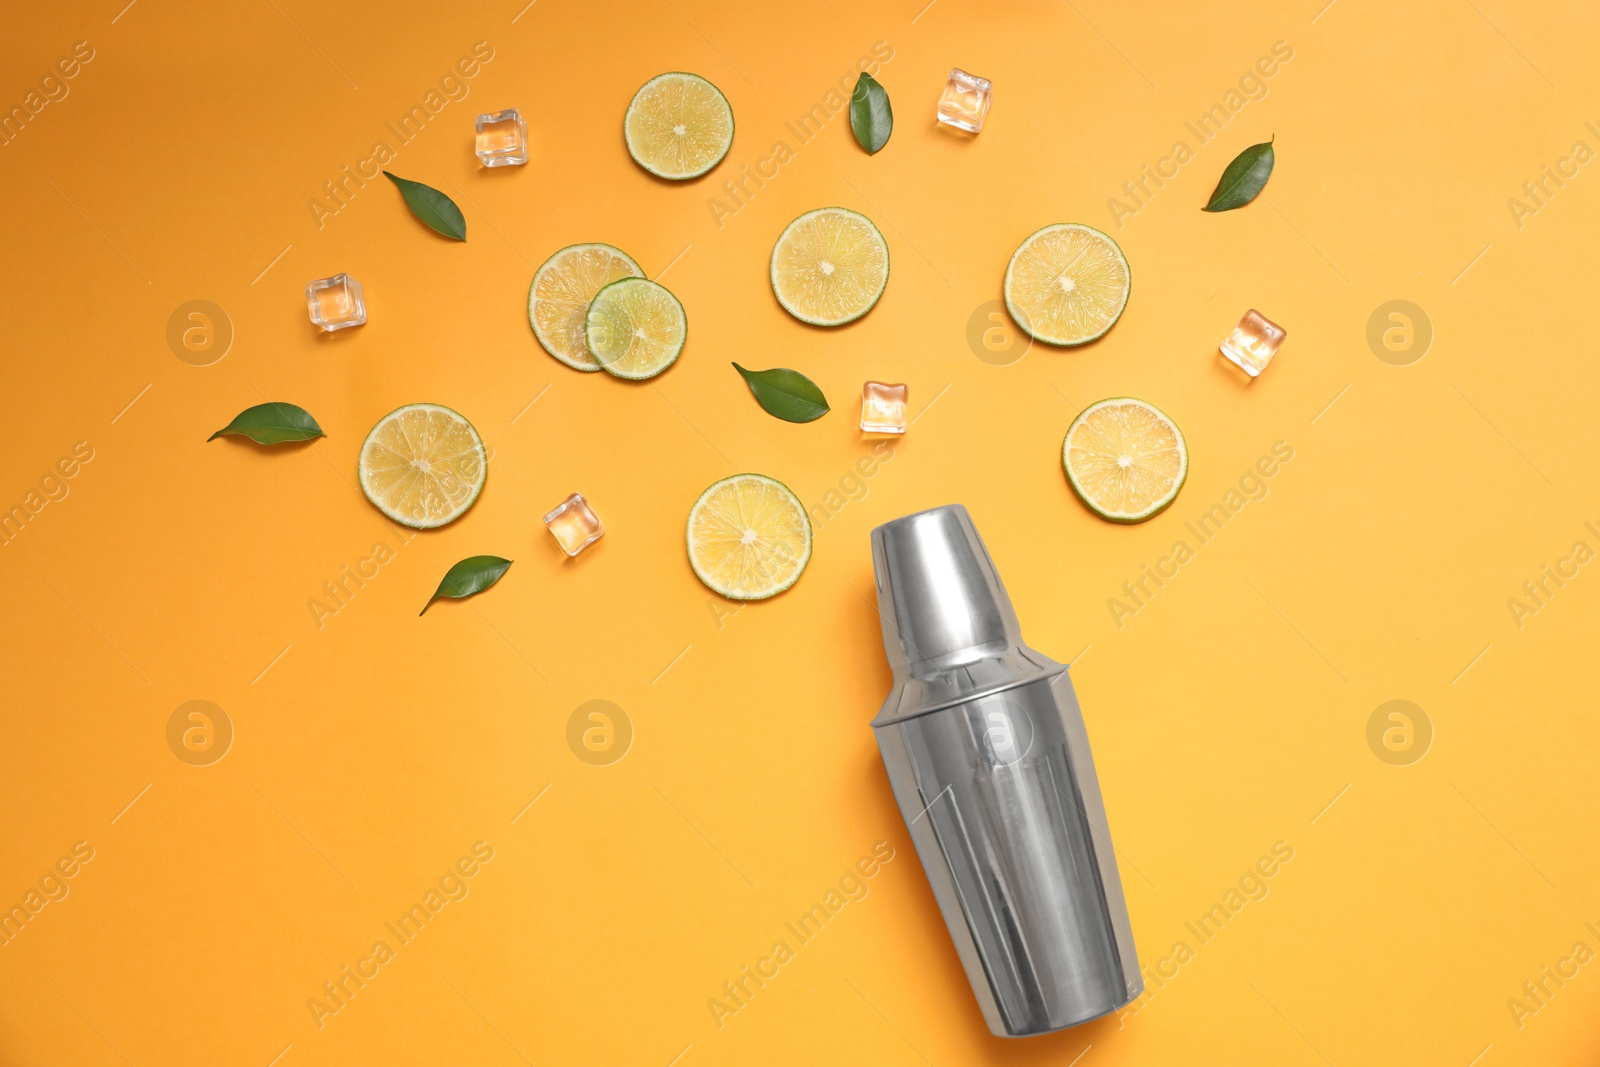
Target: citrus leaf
472,575
272,423
785,394
870,118
432,207
1244,179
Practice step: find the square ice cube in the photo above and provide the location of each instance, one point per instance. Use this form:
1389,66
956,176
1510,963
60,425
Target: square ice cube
1253,342
964,103
574,524
502,139
336,303
883,407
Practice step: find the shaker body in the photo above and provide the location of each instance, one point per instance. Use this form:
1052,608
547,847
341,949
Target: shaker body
1001,798
989,761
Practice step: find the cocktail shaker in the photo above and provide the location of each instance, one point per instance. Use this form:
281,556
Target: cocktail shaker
989,761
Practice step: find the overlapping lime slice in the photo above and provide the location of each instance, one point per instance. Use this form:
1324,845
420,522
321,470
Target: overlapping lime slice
635,328
558,300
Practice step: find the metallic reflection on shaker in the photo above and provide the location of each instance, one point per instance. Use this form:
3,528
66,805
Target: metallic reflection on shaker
989,761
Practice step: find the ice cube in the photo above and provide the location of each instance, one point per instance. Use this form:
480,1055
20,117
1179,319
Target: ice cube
883,407
574,524
965,101
336,303
1253,342
502,139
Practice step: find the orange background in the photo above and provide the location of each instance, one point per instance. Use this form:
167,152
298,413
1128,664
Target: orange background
371,753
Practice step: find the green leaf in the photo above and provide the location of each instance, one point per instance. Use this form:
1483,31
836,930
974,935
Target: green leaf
785,394
1242,182
272,423
435,209
472,575
870,118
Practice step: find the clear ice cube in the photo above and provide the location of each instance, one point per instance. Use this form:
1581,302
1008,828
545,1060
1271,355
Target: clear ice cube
336,303
1253,342
502,139
964,103
883,407
574,524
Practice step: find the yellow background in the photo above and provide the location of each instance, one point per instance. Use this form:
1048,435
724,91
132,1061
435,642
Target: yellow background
372,752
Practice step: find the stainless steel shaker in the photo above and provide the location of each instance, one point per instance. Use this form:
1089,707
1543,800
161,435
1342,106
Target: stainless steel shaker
989,762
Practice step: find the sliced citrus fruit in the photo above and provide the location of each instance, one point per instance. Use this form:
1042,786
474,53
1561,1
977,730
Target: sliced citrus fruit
635,328
1067,284
422,465
678,126
1125,459
829,266
558,300
749,537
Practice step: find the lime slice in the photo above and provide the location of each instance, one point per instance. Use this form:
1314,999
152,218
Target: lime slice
829,266
635,328
749,538
422,465
1125,459
678,126
1067,284
558,300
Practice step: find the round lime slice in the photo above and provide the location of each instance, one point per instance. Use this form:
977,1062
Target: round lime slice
829,266
1067,284
423,465
636,328
558,299
749,537
1125,459
678,126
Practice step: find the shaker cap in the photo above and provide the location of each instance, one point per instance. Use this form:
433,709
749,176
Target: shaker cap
940,598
